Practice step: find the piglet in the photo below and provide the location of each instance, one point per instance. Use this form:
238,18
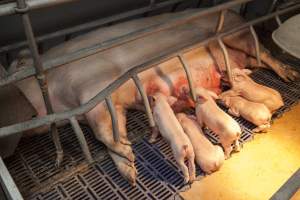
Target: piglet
244,86
209,114
171,130
208,156
257,113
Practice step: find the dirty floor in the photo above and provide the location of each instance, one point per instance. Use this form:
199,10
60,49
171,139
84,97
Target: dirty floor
260,169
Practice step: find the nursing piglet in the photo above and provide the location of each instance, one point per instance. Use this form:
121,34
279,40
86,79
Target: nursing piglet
171,130
209,114
208,156
257,113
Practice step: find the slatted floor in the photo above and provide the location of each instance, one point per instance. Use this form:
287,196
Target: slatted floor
33,169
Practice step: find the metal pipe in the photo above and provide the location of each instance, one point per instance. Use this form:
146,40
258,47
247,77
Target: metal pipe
10,8
114,118
90,25
42,80
141,90
221,20
28,71
256,42
171,53
227,63
189,76
82,141
278,20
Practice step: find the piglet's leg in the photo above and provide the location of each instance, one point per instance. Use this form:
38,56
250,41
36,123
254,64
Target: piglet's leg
121,114
191,167
244,41
184,170
100,121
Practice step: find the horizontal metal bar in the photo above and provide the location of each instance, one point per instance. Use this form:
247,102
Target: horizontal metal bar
10,8
27,71
114,118
10,189
91,25
82,141
140,88
161,57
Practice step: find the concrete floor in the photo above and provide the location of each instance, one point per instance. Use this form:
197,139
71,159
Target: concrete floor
260,169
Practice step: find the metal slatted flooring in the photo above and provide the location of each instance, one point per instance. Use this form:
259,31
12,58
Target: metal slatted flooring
32,165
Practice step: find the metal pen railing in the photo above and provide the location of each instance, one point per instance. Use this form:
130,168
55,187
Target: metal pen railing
132,73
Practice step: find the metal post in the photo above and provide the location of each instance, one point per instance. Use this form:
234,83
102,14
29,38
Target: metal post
256,42
145,99
114,118
189,76
22,9
221,21
227,63
81,139
278,20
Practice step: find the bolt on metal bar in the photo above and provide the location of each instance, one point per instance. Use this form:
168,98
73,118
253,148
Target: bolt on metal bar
90,25
256,42
164,56
143,94
221,20
22,8
114,118
9,8
227,63
188,75
81,139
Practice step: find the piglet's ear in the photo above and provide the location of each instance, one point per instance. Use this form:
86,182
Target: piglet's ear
213,95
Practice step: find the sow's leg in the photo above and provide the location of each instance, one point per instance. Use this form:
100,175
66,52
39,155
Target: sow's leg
121,152
244,41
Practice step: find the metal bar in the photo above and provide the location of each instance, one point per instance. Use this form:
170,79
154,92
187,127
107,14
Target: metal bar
140,88
188,75
10,189
171,53
256,42
10,8
289,188
227,63
278,20
81,139
221,21
42,80
114,118
90,25
28,71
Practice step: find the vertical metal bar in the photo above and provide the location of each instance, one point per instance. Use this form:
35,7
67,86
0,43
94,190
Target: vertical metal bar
256,42
221,21
189,76
278,20
145,99
81,139
114,118
22,8
227,63
10,189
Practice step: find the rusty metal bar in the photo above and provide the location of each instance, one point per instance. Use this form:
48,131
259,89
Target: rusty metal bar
10,8
42,80
256,42
114,118
227,63
221,20
140,88
171,53
188,75
90,25
82,141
